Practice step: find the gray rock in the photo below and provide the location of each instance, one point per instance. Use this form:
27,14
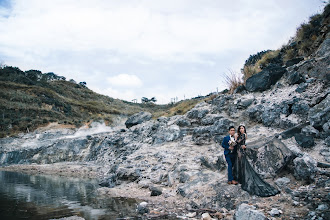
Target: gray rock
300,107
142,208
255,113
219,164
271,116
155,191
304,140
163,119
282,181
202,134
322,207
320,113
183,122
167,134
310,131
239,89
264,79
210,119
138,118
183,177
269,156
326,128
243,104
302,87
327,141
295,78
275,212
293,61
197,113
324,49
305,168
245,211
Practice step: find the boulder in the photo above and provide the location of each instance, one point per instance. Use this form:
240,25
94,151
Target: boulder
210,119
269,157
183,122
320,113
301,87
142,208
239,89
202,134
243,104
305,168
282,181
300,107
167,134
324,49
255,113
245,211
275,212
199,111
295,78
155,191
263,80
293,61
310,131
138,118
271,116
304,141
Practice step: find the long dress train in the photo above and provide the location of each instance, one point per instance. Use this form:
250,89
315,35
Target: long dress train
247,176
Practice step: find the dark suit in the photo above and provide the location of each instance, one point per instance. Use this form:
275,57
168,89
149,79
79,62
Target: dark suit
230,157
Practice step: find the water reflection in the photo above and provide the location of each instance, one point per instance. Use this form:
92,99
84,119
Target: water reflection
24,196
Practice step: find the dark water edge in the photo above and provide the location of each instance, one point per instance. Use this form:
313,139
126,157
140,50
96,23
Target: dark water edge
24,196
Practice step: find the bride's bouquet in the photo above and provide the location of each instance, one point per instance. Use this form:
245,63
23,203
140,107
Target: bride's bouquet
231,144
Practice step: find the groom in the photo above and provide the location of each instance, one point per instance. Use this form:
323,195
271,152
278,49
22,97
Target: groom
230,154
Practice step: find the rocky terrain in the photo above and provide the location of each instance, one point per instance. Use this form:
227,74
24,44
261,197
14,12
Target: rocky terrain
175,165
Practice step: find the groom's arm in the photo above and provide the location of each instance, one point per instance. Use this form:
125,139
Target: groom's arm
225,143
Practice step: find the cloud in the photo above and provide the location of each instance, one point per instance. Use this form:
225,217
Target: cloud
124,94
166,43
125,80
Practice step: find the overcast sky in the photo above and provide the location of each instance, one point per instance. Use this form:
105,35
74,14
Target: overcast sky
130,49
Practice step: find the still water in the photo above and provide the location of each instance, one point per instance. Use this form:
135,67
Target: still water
24,196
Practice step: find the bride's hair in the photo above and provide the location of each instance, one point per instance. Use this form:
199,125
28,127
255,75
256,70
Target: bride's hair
239,128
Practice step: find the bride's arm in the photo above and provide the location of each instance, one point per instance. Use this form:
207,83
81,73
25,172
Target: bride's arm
244,146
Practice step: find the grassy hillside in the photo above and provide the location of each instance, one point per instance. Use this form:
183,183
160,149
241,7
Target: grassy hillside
306,41
32,99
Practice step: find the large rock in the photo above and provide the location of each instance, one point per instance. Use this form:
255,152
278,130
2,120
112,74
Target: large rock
320,113
305,168
271,116
264,79
304,141
324,49
269,157
245,211
295,78
138,118
167,134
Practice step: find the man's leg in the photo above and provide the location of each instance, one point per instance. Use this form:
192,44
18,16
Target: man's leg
230,167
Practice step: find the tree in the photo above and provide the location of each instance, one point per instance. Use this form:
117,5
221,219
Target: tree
153,99
144,100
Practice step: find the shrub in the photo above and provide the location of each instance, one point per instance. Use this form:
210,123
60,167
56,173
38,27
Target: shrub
233,81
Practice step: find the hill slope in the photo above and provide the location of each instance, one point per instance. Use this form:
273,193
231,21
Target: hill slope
31,99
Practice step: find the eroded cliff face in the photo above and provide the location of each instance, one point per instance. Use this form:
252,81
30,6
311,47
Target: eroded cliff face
180,159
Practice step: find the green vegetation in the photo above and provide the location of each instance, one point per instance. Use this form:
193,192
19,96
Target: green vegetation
307,39
32,99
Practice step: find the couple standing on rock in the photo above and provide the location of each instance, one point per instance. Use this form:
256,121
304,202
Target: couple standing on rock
239,168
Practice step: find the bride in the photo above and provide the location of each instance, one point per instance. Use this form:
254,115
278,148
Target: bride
245,174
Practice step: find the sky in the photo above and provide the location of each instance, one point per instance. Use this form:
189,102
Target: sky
131,49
